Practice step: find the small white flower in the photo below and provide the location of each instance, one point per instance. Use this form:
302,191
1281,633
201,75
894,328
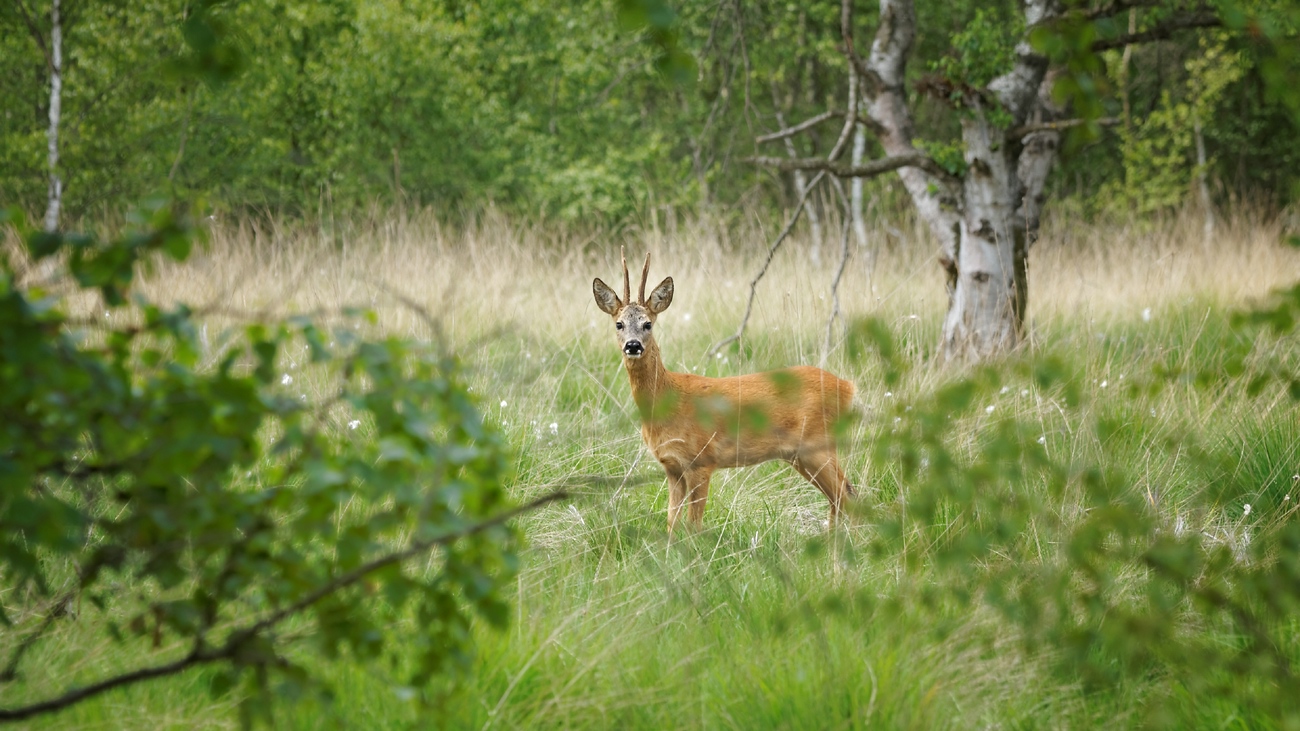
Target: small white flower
1005,389
354,424
988,409
302,397
913,317
718,356
286,380
555,429
1295,478
889,394
1286,499
1024,392
1146,315
1105,384
687,317
503,403
1042,440
105,313
1245,510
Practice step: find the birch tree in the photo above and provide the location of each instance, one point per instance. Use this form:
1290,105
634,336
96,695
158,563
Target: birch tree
983,207
54,61
56,107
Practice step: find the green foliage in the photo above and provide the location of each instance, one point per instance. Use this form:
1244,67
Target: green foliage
1158,151
192,493
984,49
1075,551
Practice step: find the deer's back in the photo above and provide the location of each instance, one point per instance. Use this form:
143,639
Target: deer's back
742,420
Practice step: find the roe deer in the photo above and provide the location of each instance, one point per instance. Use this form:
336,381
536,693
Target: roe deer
694,425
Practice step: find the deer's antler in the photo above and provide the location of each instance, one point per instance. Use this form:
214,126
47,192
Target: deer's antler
645,274
627,284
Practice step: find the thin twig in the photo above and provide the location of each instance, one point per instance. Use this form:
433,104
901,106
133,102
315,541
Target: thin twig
57,609
872,169
753,286
835,286
850,120
1028,129
239,638
796,129
1161,31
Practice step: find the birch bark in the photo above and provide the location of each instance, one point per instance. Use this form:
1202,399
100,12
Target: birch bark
56,101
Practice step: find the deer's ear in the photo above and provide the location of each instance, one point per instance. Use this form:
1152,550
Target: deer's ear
661,297
606,299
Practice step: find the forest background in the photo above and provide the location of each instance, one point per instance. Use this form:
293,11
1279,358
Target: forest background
558,112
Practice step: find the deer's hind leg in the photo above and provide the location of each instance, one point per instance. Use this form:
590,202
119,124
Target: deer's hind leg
822,469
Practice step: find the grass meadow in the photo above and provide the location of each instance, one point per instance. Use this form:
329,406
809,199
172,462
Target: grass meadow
743,625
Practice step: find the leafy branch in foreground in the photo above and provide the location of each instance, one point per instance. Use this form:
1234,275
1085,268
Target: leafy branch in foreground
1113,581
250,513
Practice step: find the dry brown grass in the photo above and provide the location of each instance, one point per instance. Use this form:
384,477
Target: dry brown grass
497,272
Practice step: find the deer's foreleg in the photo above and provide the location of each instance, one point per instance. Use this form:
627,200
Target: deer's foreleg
677,490
697,480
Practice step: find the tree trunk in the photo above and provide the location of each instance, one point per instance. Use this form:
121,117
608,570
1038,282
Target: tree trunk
986,310
855,193
56,98
1001,197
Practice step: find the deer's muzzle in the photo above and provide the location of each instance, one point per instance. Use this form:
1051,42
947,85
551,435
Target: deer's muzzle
633,348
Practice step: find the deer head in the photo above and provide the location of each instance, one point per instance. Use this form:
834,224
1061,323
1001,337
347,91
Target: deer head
634,321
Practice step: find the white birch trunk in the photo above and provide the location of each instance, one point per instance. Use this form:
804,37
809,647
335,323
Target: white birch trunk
855,192
984,314
56,98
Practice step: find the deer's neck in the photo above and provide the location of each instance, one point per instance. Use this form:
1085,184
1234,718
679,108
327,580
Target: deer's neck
651,387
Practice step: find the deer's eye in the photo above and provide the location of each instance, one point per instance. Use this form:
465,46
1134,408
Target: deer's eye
645,326
618,325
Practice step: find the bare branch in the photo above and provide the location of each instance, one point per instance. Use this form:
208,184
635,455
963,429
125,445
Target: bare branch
855,61
847,131
771,252
239,638
915,159
1057,126
1161,31
58,608
796,129
839,274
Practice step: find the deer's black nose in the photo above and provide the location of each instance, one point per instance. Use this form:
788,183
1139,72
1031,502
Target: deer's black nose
633,348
